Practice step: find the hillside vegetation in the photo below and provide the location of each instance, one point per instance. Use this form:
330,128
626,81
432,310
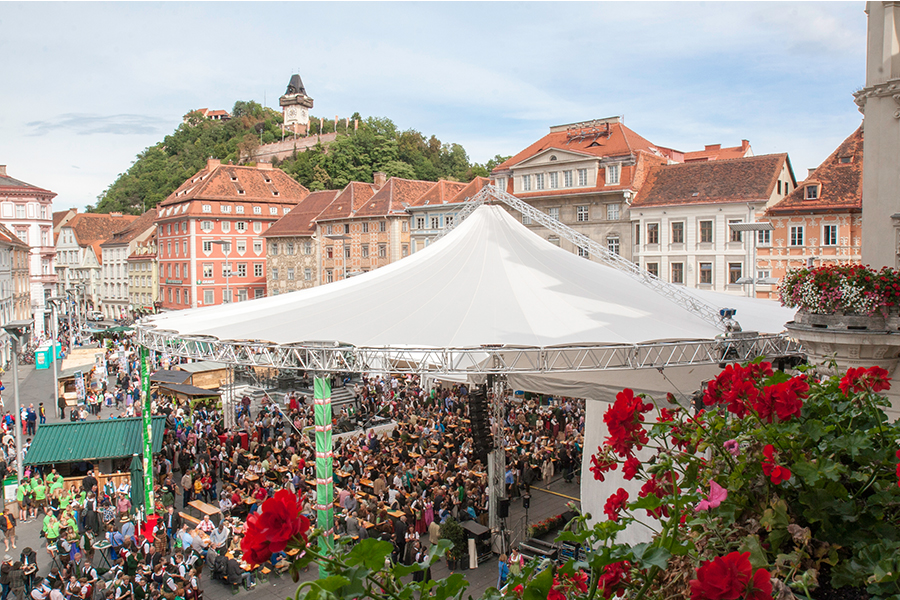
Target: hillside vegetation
377,145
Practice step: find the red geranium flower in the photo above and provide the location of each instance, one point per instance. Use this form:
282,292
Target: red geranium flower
277,525
782,399
631,467
777,473
601,464
873,379
730,577
624,420
737,386
615,504
613,579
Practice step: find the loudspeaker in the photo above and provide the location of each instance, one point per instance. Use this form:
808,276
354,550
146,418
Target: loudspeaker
479,415
503,508
526,501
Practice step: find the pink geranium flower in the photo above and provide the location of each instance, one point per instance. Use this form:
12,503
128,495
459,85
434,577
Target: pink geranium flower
717,494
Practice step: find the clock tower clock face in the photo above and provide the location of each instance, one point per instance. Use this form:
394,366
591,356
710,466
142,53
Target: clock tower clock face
292,112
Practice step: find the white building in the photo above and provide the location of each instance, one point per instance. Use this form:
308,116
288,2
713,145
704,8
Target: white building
437,208
26,210
115,296
682,215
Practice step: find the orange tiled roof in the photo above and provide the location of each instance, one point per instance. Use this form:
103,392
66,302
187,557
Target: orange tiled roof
609,138
713,182
95,228
225,182
394,198
717,152
12,239
440,193
348,201
302,218
840,183
133,230
470,189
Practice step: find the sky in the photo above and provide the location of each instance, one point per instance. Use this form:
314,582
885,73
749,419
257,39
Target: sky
87,86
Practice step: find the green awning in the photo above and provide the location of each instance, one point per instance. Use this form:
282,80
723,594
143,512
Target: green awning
58,443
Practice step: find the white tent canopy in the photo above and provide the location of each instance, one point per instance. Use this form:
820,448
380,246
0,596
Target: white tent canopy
490,281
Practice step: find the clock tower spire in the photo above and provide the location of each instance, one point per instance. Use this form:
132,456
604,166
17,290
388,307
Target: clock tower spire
295,107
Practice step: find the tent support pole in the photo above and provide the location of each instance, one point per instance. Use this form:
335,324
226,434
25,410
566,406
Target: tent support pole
149,506
497,466
324,457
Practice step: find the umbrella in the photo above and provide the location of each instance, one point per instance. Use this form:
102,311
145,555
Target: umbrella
137,483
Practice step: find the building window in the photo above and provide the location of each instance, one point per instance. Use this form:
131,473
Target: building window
307,248
206,226
259,292
346,251
226,226
364,251
526,183
257,246
257,269
554,180
274,272
289,248
273,249
207,271
257,226
404,250
652,233
764,238
290,274
328,230
582,177
583,252
829,235
257,210
226,269
207,208
735,236
404,226
240,226
678,272
209,297
420,222
706,273
653,269
612,174
678,232
734,272
382,226
612,243
242,295
812,192
273,210
435,222
239,209
307,274
539,181
567,178
329,251
581,213
706,232
637,233
241,246
329,276
612,212
526,220
448,221
20,211
225,208
382,250
797,235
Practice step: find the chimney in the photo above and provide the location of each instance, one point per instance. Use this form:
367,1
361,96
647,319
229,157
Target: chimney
212,163
713,147
264,166
380,179
745,145
115,214
809,172
3,171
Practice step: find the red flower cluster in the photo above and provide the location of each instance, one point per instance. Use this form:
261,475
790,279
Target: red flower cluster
577,583
737,386
271,530
615,504
624,420
601,464
874,379
777,473
731,577
656,487
613,579
782,399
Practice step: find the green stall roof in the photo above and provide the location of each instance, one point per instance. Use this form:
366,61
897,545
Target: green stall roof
58,443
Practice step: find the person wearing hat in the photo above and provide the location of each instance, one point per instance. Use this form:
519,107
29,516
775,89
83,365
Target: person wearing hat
127,527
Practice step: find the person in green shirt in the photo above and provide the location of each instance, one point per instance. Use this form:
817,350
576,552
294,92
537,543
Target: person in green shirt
21,492
52,534
40,494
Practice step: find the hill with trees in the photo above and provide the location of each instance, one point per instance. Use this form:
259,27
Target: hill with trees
375,145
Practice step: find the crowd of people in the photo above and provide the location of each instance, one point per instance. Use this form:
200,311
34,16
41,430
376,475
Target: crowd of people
397,482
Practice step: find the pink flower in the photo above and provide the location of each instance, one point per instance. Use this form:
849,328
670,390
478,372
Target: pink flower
717,494
733,447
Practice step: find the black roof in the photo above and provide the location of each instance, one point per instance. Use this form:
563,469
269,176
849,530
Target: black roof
170,376
295,86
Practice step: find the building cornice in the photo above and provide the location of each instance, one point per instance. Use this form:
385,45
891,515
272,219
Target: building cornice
888,88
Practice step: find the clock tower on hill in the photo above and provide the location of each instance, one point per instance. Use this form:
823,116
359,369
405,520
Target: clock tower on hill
295,105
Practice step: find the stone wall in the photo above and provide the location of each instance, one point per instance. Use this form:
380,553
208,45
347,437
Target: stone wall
284,149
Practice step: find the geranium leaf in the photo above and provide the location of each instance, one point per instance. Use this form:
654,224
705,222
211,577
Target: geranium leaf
404,570
657,557
370,552
757,555
332,583
539,587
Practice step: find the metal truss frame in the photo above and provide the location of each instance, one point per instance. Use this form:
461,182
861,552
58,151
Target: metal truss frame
323,357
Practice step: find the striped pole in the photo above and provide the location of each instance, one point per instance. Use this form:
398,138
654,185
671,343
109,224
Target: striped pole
324,455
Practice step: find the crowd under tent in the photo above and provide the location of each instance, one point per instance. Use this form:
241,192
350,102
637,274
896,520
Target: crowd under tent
492,298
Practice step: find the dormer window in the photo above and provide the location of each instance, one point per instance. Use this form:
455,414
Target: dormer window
812,192
257,210
612,174
207,208
845,160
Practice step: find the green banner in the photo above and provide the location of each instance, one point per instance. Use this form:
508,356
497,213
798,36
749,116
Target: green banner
148,434
324,454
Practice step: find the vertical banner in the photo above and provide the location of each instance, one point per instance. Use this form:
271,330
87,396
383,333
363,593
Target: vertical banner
324,454
148,434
